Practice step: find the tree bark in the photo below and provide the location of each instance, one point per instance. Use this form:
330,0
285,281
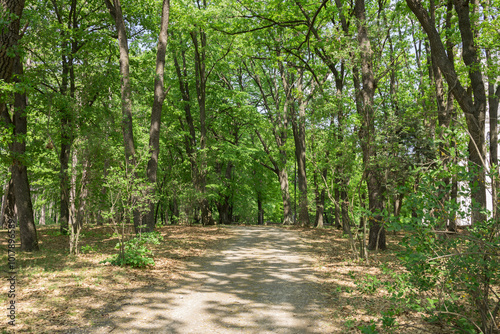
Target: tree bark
344,205
260,211
8,205
472,104
365,100
201,81
154,131
224,204
189,139
9,37
277,116
22,194
299,135
338,218
115,11
320,201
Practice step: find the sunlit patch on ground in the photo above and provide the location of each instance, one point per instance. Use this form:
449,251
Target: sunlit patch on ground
360,299
57,292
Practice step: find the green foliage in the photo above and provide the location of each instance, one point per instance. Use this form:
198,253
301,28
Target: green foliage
388,320
136,253
369,329
457,272
87,249
369,285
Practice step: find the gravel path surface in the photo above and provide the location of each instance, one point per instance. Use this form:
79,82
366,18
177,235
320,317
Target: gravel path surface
261,282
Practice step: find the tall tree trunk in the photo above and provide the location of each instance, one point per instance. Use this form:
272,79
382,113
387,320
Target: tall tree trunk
9,37
201,81
115,11
189,139
299,135
451,111
365,100
473,103
66,142
73,222
22,193
65,114
154,131
493,101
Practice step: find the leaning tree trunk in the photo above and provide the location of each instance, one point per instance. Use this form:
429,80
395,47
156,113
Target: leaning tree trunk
473,105
115,11
154,131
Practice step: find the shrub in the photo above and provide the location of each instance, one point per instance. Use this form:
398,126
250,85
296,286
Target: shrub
135,252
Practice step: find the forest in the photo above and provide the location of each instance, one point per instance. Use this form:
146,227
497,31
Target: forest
369,122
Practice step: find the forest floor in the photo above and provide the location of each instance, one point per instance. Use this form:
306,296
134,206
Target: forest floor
234,279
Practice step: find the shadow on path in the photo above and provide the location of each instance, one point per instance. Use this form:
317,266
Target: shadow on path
262,283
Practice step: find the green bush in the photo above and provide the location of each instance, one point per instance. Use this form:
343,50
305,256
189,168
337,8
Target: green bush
135,252
454,274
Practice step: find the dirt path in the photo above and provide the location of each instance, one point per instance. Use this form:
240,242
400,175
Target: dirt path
261,283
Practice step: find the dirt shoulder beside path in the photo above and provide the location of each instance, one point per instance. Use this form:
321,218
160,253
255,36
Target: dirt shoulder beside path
262,282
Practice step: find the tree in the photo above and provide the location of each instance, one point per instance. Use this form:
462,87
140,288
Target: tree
159,97
11,71
365,86
115,11
472,102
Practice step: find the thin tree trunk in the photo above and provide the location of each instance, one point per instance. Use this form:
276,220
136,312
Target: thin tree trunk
42,215
72,205
338,218
493,102
159,97
5,193
82,203
8,204
320,202
260,210
64,154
